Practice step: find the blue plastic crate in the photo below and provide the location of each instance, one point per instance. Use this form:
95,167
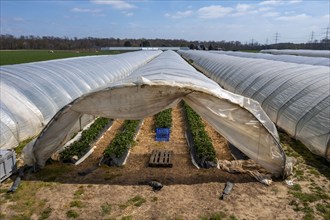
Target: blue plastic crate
162,134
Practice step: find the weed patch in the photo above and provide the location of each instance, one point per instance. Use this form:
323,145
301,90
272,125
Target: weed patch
77,203
296,187
24,199
105,208
79,192
135,201
72,214
214,216
45,213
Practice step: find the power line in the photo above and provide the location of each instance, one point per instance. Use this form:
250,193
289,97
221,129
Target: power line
312,37
276,37
327,33
252,41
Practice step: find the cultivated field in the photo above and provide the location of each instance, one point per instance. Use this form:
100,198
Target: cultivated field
59,192
8,57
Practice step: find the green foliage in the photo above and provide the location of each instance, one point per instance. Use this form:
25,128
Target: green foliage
106,208
126,217
296,149
80,147
27,56
309,197
302,201
45,213
232,217
296,187
202,142
79,192
122,140
324,209
214,216
72,214
24,202
135,201
21,145
76,203
164,119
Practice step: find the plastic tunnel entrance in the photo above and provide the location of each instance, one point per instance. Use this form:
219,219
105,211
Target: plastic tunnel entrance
161,84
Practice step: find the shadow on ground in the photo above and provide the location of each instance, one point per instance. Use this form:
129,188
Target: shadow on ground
133,173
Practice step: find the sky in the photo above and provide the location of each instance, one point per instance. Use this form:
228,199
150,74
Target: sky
246,21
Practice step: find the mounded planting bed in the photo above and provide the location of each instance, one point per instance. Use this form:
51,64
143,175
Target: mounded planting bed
164,119
116,152
200,143
88,137
163,124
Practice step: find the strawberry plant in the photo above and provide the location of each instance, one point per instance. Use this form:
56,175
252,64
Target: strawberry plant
202,143
79,148
122,141
164,119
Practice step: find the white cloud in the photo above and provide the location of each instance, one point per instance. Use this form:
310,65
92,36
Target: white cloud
243,7
295,1
180,14
18,19
270,2
279,2
85,10
214,11
263,9
327,17
289,12
128,14
117,4
271,14
293,17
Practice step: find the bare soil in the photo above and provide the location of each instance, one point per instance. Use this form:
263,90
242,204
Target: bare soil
123,193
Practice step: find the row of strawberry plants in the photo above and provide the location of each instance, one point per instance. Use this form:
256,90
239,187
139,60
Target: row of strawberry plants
202,144
122,141
80,147
164,119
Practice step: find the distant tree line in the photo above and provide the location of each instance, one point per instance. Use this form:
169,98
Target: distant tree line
10,42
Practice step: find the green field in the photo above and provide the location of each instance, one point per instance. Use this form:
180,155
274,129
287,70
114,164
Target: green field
8,57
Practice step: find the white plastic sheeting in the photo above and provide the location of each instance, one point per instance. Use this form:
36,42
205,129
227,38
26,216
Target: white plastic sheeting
307,53
295,96
161,84
31,94
318,61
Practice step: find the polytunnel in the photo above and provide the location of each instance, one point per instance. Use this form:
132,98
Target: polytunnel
161,84
318,61
32,93
295,96
307,53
